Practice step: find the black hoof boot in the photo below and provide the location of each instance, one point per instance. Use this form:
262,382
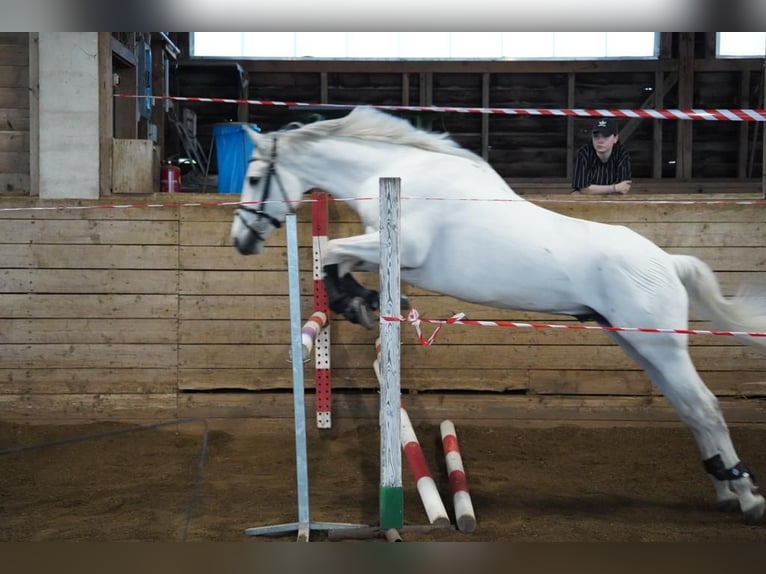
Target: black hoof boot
358,312
373,301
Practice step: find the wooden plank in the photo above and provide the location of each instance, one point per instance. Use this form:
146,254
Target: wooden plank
89,256
91,331
237,331
648,212
88,281
106,356
262,307
14,77
14,162
727,258
14,183
497,408
14,38
14,98
415,380
14,55
88,406
14,119
133,166
34,113
91,231
12,141
105,306
34,208
567,357
699,234
612,382
227,258
250,282
83,381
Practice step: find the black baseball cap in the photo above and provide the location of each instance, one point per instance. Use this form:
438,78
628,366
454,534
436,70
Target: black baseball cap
605,127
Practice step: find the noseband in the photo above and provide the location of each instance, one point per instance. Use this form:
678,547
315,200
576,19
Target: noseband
259,211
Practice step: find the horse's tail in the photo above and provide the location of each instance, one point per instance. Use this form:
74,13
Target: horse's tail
745,312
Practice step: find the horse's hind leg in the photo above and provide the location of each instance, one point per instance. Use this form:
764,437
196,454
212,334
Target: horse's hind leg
666,360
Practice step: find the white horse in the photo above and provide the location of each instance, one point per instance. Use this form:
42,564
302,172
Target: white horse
508,254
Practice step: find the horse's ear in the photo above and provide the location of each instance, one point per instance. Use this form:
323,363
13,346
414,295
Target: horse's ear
252,134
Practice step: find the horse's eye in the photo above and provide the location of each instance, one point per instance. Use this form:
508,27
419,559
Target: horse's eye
253,180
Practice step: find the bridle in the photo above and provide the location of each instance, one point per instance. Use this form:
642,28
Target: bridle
258,210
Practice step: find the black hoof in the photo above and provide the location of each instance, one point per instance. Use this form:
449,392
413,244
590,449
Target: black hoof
731,505
358,312
754,515
373,301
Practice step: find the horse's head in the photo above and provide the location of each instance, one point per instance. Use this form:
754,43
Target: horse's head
268,193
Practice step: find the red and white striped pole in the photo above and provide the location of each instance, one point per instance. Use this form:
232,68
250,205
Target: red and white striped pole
464,513
310,332
416,460
319,227
429,494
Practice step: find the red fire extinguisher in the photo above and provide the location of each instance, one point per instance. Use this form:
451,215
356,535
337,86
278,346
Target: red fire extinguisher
170,178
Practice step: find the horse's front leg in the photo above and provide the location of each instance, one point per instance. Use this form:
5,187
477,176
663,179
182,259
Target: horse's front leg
346,296
349,298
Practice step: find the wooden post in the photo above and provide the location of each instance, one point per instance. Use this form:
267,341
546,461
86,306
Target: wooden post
391,493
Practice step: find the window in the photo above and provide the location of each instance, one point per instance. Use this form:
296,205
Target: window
426,45
741,44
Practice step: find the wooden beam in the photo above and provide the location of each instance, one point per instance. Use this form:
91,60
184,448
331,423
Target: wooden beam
666,46
665,86
34,113
744,127
685,100
659,102
323,97
570,125
763,143
485,117
105,112
253,67
405,89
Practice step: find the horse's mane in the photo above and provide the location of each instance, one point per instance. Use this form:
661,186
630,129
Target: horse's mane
370,124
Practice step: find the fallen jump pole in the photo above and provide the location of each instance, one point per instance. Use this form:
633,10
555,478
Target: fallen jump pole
304,525
424,482
429,494
464,513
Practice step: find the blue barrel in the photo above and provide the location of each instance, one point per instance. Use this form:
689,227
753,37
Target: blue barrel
233,151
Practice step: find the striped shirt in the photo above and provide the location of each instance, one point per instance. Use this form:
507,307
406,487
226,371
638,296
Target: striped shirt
589,169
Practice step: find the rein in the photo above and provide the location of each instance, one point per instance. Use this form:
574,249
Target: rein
259,212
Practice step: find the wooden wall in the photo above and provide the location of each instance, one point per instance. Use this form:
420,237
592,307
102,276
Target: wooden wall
147,313
14,113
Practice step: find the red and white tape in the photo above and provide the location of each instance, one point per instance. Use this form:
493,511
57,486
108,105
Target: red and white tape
414,318
700,114
563,199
